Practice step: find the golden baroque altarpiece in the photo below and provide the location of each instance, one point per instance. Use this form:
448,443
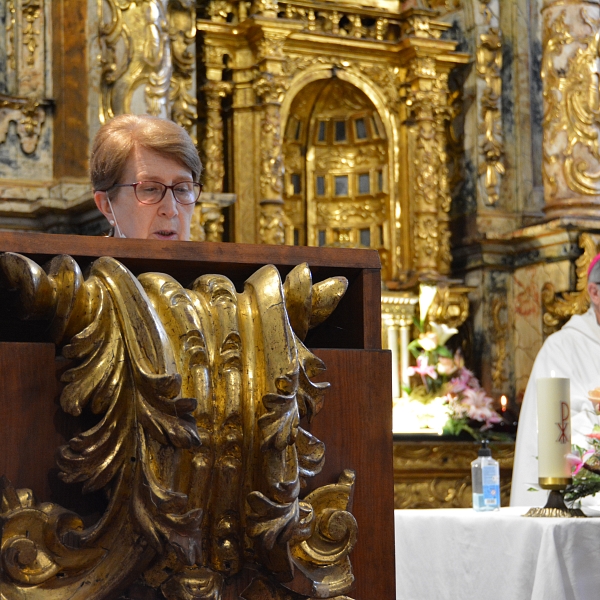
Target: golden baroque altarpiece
459,138
201,464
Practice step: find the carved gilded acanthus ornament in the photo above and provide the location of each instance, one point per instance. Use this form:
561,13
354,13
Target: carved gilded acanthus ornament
201,464
212,142
560,307
570,72
28,115
181,15
135,53
426,100
489,90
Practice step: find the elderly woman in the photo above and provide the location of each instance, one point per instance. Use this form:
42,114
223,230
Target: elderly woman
145,173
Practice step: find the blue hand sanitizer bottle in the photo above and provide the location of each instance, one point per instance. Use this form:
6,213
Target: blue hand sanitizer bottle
485,479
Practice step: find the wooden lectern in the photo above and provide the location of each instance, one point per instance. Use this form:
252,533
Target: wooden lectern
355,424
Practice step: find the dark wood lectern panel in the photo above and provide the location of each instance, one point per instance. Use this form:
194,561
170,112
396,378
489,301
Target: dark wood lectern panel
28,430
356,426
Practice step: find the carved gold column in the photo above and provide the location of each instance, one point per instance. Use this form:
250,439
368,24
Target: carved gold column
270,87
425,90
570,76
489,98
208,220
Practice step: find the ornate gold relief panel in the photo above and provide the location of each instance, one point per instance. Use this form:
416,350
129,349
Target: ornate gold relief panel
148,59
200,463
570,75
336,169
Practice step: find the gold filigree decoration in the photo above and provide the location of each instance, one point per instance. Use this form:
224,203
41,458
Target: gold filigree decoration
31,12
367,23
11,24
201,468
219,10
273,223
182,33
559,308
572,105
271,173
450,306
267,8
489,67
29,116
135,48
212,143
426,98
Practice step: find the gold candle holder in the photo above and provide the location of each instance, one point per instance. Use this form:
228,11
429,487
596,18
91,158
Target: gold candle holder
555,506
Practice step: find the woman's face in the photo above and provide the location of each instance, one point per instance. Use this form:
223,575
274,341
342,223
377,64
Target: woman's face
167,220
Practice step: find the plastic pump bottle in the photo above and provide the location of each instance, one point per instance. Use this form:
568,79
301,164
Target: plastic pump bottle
485,476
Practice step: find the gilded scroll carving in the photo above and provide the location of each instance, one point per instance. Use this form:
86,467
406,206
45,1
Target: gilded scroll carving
270,89
571,102
202,469
182,33
560,307
426,100
135,53
212,144
489,66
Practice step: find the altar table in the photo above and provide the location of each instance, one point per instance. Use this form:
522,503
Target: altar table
459,554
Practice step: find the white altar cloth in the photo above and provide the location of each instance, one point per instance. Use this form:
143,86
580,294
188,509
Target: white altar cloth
459,554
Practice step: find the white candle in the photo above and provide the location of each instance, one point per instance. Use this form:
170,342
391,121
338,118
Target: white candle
554,431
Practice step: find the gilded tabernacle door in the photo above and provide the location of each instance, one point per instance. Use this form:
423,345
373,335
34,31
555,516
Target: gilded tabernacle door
190,418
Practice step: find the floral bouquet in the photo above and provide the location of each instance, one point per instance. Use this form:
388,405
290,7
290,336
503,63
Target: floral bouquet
585,464
443,378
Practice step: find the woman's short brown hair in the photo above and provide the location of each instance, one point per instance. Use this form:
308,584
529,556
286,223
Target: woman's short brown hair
116,139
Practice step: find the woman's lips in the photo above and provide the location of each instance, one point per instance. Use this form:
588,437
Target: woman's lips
166,234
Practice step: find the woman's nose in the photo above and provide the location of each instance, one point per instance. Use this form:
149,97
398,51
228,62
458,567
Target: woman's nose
168,205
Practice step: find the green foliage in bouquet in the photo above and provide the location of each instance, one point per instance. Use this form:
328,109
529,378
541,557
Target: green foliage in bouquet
441,374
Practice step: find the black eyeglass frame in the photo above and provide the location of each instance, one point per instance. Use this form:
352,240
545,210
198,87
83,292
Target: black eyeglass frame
165,186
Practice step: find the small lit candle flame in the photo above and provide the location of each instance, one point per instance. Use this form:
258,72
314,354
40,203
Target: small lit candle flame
503,403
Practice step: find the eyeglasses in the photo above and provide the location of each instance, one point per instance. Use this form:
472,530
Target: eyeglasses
152,192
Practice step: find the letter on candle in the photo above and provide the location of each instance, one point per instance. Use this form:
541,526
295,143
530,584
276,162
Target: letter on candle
554,427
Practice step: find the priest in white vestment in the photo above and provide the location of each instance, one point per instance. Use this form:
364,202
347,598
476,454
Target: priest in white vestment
572,352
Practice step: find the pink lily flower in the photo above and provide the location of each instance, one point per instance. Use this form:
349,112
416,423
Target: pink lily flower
578,462
423,368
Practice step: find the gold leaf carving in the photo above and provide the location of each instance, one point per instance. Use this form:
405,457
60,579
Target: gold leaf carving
135,52
182,33
571,103
201,468
489,66
31,12
560,308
